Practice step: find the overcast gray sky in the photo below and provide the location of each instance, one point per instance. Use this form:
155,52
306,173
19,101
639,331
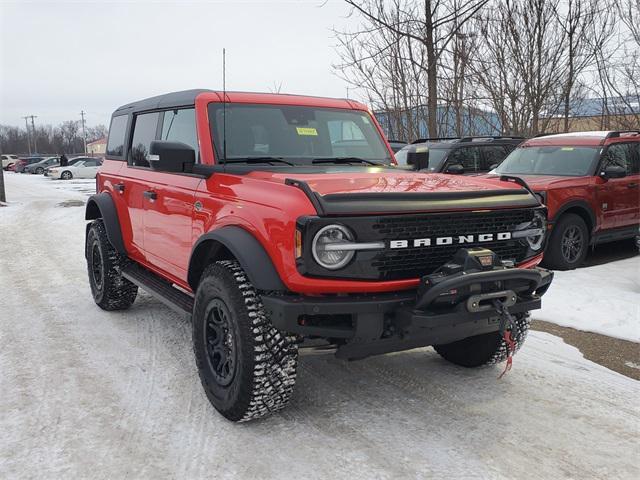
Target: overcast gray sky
57,58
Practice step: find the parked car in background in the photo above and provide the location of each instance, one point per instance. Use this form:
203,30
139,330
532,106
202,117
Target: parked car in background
590,182
73,161
397,145
85,168
41,166
8,160
24,161
465,155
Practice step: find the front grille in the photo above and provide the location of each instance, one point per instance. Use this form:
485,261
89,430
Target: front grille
404,263
414,262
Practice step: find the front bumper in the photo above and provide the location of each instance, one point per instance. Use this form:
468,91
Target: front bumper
453,308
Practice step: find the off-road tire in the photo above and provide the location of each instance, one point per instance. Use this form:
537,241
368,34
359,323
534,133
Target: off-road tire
110,290
265,358
554,257
66,175
485,349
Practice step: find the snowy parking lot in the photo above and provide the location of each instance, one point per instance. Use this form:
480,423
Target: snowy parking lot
88,393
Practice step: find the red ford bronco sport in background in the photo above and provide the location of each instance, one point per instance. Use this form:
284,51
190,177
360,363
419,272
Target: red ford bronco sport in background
274,219
589,181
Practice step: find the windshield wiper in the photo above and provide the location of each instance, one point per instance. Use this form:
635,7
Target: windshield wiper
344,160
258,160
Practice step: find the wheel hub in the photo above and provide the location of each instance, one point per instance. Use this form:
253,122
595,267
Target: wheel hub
220,342
572,244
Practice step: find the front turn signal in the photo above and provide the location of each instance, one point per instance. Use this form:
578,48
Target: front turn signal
298,241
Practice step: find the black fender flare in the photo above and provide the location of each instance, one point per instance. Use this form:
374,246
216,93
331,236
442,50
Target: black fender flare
582,205
101,206
245,248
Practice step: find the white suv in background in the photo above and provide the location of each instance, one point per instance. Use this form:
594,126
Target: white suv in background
8,160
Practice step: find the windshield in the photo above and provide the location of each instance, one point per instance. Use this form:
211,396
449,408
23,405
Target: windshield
296,135
550,160
436,157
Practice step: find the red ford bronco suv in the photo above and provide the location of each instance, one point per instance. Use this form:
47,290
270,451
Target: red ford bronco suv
274,219
589,181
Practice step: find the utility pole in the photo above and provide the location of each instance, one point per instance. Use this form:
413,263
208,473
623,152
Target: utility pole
33,128
3,195
84,133
26,124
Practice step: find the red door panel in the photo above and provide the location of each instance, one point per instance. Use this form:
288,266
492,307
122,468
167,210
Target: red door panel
167,221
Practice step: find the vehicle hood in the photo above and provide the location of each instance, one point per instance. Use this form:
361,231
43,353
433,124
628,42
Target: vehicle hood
345,182
540,183
382,191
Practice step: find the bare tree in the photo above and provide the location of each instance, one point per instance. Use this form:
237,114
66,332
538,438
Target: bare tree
69,130
420,31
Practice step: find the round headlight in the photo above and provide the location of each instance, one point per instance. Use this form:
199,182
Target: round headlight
326,247
539,223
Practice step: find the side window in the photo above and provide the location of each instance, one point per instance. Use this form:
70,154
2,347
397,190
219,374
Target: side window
90,163
635,163
117,131
144,132
468,157
180,126
494,155
622,155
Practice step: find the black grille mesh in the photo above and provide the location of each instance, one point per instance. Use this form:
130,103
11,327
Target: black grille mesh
414,262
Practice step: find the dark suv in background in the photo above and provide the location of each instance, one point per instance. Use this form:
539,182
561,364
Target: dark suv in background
465,155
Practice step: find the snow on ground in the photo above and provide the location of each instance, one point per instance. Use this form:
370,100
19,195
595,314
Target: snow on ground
87,393
602,299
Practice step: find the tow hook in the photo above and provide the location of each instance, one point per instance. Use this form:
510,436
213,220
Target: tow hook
507,329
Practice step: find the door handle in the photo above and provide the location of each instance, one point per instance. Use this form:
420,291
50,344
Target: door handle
632,185
119,187
150,194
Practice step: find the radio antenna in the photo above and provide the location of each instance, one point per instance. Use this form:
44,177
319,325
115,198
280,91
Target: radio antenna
224,107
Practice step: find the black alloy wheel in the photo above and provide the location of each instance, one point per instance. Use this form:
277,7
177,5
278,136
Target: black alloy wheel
97,271
220,342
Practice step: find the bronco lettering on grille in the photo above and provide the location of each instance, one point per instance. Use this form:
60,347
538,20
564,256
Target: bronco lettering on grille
459,239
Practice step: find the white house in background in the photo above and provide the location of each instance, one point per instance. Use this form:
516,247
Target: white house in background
97,147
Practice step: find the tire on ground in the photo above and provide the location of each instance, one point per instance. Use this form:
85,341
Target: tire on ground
264,359
485,349
66,175
111,291
553,257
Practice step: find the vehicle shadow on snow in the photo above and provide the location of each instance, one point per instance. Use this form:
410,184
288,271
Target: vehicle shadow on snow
407,383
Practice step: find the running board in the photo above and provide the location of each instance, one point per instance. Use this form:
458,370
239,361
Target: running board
164,291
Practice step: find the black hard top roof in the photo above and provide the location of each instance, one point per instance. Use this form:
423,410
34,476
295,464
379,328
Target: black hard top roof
168,100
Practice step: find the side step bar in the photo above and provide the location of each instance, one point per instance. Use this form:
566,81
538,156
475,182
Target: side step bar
164,291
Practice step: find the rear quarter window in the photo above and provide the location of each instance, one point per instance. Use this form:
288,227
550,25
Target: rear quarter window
117,133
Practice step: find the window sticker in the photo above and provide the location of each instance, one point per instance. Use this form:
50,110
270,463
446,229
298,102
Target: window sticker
307,131
422,149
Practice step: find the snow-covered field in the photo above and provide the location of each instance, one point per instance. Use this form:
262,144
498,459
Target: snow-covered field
602,299
90,394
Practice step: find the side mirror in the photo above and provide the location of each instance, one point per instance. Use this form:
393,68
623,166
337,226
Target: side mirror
419,159
455,169
175,157
613,171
